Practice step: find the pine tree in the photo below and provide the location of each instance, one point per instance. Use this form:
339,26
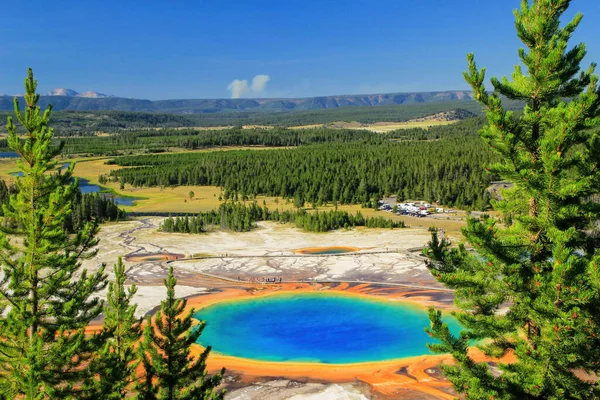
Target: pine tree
48,297
171,373
113,369
532,289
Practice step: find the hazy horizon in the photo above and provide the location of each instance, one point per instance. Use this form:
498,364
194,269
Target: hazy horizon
257,98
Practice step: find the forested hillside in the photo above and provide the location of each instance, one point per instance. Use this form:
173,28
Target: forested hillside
194,106
88,123
157,141
78,123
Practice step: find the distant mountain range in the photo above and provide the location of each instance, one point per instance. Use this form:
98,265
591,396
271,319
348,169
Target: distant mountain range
71,93
67,99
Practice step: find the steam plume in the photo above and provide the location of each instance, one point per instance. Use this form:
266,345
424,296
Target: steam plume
259,82
240,87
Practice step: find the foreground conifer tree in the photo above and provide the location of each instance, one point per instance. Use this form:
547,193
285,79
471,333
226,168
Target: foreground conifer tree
113,369
544,267
47,297
171,372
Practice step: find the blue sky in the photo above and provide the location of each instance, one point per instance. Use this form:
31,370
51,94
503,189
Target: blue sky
195,49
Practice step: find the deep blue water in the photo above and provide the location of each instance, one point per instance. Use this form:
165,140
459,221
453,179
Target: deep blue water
8,154
327,328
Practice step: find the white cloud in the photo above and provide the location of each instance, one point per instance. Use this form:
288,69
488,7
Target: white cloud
240,87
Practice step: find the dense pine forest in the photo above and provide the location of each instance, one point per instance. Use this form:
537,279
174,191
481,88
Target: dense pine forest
157,141
449,171
92,206
161,140
242,218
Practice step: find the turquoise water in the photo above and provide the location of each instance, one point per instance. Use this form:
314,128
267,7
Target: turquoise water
332,251
319,327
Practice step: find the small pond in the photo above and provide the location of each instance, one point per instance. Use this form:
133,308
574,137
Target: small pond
328,250
86,187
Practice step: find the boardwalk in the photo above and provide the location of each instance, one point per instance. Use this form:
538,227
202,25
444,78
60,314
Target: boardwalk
321,281
283,255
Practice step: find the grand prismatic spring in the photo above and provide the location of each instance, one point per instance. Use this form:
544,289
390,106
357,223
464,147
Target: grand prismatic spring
317,327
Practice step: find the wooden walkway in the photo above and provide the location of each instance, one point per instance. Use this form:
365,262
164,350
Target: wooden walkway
349,254
322,281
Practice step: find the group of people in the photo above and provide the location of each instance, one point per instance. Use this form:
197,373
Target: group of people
263,280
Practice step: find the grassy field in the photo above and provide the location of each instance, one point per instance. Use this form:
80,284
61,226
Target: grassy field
383,127
380,127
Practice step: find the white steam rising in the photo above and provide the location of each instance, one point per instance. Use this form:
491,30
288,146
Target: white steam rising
259,82
240,87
